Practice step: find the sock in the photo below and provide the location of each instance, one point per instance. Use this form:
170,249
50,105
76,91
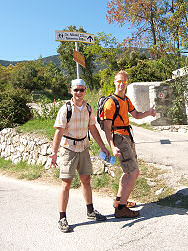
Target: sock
120,206
62,215
90,208
118,198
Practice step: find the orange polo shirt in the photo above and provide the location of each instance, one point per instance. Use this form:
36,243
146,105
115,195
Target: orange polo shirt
109,110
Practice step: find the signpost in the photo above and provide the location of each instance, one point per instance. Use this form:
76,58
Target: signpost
71,36
79,58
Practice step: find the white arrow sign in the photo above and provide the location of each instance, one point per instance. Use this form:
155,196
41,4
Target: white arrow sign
71,36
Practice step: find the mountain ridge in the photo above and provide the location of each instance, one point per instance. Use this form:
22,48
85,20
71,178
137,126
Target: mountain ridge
55,60
46,60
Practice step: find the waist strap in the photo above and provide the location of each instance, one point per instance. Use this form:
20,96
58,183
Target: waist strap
67,137
127,128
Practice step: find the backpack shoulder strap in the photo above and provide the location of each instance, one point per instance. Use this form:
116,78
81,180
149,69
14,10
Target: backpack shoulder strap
69,110
117,110
117,107
88,108
127,101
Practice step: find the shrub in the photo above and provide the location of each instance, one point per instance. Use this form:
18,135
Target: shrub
178,110
13,108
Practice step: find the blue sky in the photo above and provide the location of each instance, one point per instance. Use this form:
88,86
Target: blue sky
27,28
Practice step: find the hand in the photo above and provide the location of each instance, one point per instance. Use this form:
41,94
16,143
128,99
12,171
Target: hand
116,151
53,160
152,111
105,150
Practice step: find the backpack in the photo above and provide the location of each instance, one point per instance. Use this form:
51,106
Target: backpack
69,115
100,112
69,110
100,106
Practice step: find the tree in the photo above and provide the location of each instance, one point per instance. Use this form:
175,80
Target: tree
55,80
154,27
4,76
105,48
28,76
144,14
177,24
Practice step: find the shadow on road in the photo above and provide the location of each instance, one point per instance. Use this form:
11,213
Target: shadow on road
161,141
148,211
179,199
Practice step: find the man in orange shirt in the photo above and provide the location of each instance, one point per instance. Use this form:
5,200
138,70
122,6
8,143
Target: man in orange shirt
122,144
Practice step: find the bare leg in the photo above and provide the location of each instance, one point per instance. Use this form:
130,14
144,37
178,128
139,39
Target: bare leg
86,188
126,185
64,194
123,177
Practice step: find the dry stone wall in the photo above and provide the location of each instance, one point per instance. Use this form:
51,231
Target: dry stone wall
36,149
27,147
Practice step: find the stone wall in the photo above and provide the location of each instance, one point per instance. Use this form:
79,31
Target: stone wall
172,128
35,150
27,147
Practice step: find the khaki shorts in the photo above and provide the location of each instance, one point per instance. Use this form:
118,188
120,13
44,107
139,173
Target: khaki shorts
75,160
128,157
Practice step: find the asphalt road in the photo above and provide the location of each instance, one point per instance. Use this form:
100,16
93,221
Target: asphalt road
164,148
29,222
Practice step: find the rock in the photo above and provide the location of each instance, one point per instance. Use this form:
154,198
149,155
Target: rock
98,165
48,163
150,183
111,173
158,192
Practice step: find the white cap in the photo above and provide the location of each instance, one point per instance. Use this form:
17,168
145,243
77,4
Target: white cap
77,82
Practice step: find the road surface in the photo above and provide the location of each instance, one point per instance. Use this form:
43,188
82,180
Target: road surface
164,148
29,222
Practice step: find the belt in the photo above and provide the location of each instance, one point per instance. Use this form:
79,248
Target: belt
67,137
125,128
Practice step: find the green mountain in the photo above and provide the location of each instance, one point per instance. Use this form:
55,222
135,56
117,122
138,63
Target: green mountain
46,60
55,59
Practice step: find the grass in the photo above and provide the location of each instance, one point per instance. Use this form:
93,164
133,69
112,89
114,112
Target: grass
144,125
22,170
184,181
38,126
92,97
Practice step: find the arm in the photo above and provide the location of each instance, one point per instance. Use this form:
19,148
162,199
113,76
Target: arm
95,133
141,115
55,145
107,129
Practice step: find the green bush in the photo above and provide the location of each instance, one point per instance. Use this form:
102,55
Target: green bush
177,112
107,81
13,108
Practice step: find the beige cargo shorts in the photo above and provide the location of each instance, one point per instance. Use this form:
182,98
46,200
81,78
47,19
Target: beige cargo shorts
72,161
128,157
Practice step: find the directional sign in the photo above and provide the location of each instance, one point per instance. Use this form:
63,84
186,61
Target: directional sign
79,58
71,36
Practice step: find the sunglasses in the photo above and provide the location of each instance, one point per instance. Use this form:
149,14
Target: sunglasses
119,82
78,90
